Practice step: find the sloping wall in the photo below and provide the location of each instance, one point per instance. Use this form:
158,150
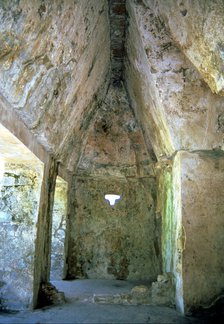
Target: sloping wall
55,58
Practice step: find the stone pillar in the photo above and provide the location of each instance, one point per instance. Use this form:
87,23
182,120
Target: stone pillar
70,211
199,260
169,207
202,193
59,230
44,227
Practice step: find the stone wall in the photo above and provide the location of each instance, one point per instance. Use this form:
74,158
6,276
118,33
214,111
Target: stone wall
120,241
54,54
176,107
169,209
190,201
164,209
58,230
202,208
196,26
173,78
20,189
114,242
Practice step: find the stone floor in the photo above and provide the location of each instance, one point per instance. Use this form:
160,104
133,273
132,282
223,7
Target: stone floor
81,308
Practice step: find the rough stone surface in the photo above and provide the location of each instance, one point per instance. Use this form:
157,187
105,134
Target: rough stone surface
197,28
163,290
20,189
42,261
76,311
165,211
55,54
191,192
58,230
175,106
139,295
120,241
115,144
63,70
49,295
117,10
203,227
169,209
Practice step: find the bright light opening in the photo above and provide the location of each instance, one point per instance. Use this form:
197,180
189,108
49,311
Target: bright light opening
113,199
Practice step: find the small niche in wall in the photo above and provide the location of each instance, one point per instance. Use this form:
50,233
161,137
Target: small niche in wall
112,198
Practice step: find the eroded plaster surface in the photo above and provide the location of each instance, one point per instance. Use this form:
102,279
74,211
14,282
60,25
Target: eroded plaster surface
55,54
197,28
114,242
125,118
203,227
176,107
120,241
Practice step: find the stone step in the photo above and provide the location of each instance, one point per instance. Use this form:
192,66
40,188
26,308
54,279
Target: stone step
138,295
160,292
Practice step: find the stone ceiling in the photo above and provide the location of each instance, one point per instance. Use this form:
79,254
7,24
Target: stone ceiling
58,59
118,22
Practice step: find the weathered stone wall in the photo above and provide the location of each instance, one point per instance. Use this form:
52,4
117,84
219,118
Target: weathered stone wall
42,260
55,54
20,189
120,241
57,59
169,209
190,200
175,106
173,74
58,230
115,144
196,26
164,209
202,209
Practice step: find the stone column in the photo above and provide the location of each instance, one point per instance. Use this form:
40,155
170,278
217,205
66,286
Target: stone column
198,261
70,211
202,195
44,227
191,202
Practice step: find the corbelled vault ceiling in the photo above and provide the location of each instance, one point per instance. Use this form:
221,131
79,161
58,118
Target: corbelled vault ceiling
60,62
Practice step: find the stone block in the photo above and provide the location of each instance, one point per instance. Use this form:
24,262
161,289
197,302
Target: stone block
201,239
